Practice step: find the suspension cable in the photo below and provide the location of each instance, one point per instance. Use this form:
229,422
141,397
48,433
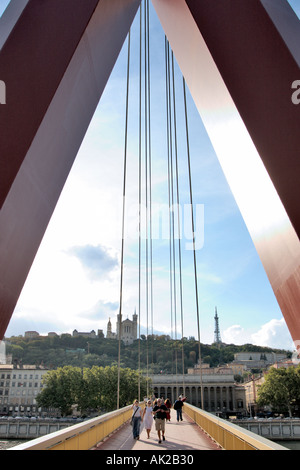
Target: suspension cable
148,158
173,217
150,174
123,223
171,205
146,78
140,192
178,221
169,150
193,235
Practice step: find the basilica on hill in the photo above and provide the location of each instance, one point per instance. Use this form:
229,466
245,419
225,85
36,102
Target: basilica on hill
128,330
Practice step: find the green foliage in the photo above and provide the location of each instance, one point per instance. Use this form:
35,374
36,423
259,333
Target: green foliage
281,390
89,389
160,352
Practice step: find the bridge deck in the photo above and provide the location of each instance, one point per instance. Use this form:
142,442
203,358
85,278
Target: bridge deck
185,435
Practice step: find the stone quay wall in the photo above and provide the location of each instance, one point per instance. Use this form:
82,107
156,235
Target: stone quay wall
274,429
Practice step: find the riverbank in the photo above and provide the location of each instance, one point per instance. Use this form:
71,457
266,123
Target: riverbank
274,429
292,445
8,444
26,429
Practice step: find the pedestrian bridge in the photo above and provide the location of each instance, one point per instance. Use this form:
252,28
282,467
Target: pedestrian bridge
199,430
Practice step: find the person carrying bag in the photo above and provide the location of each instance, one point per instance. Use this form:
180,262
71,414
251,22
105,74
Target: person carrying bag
136,420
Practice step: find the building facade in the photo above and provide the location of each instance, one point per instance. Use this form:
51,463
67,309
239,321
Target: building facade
19,387
87,334
257,360
221,395
128,329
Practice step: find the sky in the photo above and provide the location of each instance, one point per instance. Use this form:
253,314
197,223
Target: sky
74,282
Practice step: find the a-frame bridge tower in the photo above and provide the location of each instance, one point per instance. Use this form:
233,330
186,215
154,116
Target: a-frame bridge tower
240,57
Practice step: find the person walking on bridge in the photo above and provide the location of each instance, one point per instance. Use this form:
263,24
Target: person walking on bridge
148,417
136,419
160,412
178,407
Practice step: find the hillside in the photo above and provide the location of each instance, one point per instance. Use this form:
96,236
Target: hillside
158,353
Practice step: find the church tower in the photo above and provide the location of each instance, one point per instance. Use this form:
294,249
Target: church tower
135,323
109,333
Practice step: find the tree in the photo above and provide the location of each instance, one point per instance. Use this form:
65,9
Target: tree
62,389
281,389
94,388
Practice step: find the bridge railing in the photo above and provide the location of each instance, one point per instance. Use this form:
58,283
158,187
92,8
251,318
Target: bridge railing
86,435
82,436
228,435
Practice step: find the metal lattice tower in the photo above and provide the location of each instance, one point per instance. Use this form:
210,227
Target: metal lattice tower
217,329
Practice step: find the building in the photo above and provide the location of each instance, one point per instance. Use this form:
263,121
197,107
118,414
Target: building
110,334
237,369
31,334
286,363
128,329
19,387
257,360
251,392
90,334
221,395
253,384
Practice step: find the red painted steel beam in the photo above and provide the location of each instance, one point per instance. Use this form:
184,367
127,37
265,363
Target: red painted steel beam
55,59
240,59
258,61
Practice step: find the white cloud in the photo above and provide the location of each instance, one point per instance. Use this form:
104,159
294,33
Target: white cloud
96,260
235,334
273,334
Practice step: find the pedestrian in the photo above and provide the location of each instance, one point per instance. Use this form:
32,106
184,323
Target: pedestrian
178,407
148,417
168,405
136,419
160,412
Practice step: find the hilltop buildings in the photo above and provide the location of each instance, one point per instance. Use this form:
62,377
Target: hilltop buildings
129,329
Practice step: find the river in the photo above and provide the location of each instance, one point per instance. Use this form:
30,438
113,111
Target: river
4,445
292,445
